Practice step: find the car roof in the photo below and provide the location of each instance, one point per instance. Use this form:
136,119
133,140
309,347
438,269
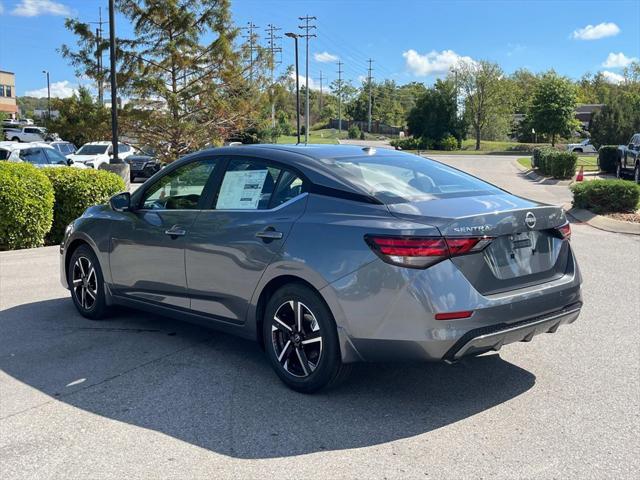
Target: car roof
314,161
23,146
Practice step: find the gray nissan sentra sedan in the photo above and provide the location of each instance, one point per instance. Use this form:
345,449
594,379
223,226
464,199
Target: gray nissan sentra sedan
329,255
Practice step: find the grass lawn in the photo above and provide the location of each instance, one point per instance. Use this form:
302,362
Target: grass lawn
590,163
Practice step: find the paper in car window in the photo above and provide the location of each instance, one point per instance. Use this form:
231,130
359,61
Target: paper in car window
241,189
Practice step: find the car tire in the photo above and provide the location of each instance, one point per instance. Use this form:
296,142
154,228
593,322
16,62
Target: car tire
577,150
15,139
302,344
86,283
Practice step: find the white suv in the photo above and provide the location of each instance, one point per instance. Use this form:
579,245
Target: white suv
584,146
37,153
94,154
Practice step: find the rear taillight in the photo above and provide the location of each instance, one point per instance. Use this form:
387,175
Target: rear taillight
565,231
422,252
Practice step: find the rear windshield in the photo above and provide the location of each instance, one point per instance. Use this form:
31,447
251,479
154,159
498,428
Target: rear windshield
409,179
92,149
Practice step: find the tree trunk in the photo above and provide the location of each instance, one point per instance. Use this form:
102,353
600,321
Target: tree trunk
477,138
553,139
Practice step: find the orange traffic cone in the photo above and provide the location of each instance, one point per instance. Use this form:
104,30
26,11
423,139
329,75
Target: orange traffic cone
580,176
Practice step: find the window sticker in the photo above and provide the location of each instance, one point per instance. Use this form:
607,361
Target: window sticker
241,190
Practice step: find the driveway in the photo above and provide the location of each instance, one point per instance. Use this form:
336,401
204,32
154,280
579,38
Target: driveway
140,396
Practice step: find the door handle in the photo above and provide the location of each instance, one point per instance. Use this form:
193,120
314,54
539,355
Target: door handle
269,234
176,231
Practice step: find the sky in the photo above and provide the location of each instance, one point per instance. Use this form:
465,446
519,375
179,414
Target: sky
408,40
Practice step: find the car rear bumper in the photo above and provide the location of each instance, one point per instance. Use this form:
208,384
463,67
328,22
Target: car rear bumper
486,339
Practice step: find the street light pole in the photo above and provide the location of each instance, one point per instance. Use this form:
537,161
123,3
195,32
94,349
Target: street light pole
114,85
295,38
48,95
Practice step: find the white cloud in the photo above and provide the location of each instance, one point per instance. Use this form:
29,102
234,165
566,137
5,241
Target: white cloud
63,89
325,57
595,32
612,77
432,63
618,60
33,8
312,84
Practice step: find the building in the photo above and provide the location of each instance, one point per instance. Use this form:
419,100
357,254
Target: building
8,103
585,112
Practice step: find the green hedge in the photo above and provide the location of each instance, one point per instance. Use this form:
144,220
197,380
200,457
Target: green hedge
26,206
606,196
553,163
608,158
75,191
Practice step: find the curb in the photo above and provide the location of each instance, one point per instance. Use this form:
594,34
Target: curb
601,222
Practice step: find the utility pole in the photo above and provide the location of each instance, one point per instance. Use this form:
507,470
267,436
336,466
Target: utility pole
46,72
321,100
274,49
99,66
370,85
295,39
306,27
340,63
251,37
114,84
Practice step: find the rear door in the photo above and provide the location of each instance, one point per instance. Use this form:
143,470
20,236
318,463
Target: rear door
233,241
147,244
35,156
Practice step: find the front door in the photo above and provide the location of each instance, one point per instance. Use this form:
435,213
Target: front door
147,244
231,244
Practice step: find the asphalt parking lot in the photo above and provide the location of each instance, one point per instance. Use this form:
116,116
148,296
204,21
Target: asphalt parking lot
139,396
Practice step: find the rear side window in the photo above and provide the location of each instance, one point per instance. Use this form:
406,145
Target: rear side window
247,185
55,157
289,186
33,155
4,154
408,179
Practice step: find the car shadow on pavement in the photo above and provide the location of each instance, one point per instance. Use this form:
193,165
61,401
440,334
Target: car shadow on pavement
218,392
533,177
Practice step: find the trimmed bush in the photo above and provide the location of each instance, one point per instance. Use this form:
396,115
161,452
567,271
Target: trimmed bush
554,163
75,191
608,156
447,143
353,132
26,206
606,196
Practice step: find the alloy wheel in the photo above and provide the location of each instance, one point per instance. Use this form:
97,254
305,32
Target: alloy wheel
296,338
85,283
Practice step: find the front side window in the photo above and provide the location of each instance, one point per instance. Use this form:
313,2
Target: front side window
179,189
247,185
122,148
33,155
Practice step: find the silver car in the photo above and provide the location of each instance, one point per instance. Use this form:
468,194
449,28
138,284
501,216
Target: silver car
329,255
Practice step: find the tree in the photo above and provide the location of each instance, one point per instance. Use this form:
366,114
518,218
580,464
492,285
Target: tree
81,119
435,114
188,83
480,84
553,107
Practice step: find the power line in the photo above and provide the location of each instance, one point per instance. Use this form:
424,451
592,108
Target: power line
306,27
274,49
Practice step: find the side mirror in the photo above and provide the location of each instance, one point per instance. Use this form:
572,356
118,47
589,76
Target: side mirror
120,202
69,162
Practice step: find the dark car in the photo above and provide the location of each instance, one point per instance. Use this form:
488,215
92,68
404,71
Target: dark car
142,166
629,159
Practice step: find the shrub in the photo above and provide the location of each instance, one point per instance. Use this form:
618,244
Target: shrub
26,206
608,156
604,196
353,132
524,147
362,136
448,143
554,163
75,191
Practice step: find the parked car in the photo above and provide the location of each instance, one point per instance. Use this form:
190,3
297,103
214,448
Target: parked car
94,154
29,134
629,162
583,147
328,255
65,148
142,166
39,154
